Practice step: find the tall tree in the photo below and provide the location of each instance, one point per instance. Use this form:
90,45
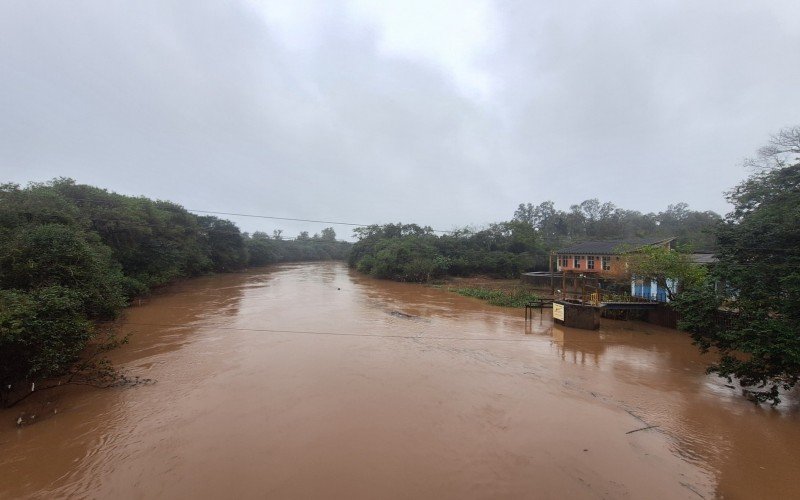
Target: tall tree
759,273
328,234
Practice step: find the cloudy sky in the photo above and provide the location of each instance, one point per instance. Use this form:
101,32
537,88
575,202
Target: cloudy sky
439,112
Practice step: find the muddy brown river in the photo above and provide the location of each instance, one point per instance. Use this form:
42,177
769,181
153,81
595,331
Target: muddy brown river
311,381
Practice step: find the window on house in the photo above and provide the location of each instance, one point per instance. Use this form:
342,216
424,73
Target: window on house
577,262
590,262
606,261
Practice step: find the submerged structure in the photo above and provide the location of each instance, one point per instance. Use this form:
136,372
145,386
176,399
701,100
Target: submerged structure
590,266
593,276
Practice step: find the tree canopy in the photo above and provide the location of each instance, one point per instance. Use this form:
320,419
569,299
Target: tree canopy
71,254
592,219
756,283
671,270
408,252
505,249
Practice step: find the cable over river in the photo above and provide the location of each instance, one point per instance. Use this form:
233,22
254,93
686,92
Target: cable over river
310,380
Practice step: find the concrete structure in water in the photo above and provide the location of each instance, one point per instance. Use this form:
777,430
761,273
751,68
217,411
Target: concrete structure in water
576,315
609,290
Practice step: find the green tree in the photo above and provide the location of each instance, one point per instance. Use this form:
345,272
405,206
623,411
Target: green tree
71,254
328,234
46,255
672,270
592,219
225,245
261,249
757,281
41,334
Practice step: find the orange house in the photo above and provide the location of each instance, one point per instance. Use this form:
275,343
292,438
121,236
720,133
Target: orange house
603,259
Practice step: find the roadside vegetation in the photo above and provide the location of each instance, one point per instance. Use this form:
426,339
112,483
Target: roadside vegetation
72,255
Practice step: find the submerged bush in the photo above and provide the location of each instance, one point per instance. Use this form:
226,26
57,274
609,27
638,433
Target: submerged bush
515,298
42,332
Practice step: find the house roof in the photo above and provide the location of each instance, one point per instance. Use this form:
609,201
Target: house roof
612,247
703,258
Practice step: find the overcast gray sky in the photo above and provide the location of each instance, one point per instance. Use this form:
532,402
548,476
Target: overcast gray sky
444,113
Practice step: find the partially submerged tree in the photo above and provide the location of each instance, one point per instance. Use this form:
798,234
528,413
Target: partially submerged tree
759,272
71,254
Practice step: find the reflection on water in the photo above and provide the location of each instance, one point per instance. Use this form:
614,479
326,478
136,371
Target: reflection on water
311,380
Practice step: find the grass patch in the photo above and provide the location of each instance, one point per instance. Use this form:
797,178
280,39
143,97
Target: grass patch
516,298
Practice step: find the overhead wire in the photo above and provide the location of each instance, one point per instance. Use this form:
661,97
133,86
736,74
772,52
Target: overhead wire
259,216
353,224
297,219
371,335
338,334
146,224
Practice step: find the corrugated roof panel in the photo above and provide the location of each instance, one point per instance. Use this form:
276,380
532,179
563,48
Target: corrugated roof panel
610,247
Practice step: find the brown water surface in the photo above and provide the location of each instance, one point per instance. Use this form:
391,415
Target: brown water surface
309,380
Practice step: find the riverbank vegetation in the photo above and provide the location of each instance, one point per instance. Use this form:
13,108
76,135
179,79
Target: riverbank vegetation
748,307
409,252
504,298
72,254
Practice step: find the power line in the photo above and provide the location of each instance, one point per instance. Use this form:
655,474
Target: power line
337,334
374,335
128,223
236,214
353,224
147,224
295,219
279,218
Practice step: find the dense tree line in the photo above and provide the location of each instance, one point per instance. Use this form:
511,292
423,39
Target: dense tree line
593,220
72,254
408,252
263,249
746,307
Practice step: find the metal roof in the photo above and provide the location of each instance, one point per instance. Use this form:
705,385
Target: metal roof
611,247
703,258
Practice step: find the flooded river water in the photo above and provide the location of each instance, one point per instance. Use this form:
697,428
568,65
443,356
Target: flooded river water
310,380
